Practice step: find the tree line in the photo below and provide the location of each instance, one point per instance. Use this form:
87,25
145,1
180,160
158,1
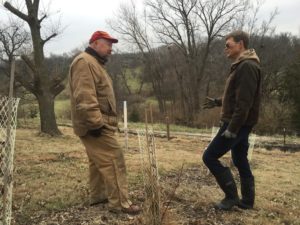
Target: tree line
175,54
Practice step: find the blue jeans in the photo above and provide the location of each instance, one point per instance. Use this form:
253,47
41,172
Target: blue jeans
239,150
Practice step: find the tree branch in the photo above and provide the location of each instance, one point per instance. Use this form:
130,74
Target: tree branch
16,11
55,90
28,62
44,17
25,84
48,38
28,3
36,3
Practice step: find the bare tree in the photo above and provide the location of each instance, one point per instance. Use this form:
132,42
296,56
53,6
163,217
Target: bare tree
192,25
174,24
118,70
38,78
216,17
183,39
14,40
134,31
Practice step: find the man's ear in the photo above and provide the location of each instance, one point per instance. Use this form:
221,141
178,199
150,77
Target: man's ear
242,44
95,43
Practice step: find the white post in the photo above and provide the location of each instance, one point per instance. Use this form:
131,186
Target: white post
12,78
125,125
252,139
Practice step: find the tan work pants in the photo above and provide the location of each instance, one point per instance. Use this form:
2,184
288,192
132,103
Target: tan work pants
107,170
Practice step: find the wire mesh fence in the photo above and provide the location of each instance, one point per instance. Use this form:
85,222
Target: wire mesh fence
8,116
152,207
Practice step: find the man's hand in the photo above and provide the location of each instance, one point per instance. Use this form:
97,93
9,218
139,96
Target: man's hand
209,103
96,132
228,134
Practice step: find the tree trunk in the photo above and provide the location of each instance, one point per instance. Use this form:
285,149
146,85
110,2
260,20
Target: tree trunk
47,115
196,99
161,106
200,75
44,88
159,96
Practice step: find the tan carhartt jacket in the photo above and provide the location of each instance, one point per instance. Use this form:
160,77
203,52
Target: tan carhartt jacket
93,103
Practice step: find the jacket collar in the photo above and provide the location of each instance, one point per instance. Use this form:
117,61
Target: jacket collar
248,54
93,53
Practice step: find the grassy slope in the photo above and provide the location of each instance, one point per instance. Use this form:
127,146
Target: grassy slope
51,183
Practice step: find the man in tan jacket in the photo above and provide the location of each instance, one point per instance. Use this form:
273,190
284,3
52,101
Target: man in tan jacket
94,117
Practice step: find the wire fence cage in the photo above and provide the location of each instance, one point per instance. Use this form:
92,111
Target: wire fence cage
152,205
8,118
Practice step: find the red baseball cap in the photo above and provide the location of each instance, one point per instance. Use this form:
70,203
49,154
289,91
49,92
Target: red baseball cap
102,34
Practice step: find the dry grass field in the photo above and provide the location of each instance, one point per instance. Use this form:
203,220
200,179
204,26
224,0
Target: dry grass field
50,184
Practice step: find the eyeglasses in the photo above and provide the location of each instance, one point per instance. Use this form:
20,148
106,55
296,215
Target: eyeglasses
227,45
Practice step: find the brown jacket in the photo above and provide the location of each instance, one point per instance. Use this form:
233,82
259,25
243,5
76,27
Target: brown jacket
93,103
241,99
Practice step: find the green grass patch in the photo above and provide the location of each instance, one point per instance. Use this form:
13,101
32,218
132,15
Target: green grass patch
162,127
62,104
134,81
62,108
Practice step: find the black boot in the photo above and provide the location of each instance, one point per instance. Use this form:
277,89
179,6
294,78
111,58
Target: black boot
248,193
227,184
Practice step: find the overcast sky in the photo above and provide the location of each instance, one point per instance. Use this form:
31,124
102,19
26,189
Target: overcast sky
82,18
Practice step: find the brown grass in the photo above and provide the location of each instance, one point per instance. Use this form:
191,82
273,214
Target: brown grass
50,184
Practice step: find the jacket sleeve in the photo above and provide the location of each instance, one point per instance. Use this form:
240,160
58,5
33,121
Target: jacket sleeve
85,95
245,89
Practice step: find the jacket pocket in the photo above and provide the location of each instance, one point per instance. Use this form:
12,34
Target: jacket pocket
112,106
104,105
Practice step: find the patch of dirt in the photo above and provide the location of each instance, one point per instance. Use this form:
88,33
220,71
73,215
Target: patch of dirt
187,195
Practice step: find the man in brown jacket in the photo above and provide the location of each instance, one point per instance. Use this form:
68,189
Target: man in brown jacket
240,108
94,117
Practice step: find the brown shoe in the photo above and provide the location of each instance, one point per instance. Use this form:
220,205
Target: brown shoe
132,210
